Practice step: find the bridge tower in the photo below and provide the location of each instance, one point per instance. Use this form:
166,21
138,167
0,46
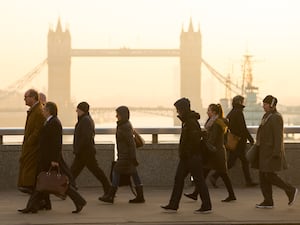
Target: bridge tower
190,66
59,75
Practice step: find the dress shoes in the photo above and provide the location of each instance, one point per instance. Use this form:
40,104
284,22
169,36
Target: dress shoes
229,199
27,190
191,196
79,207
28,210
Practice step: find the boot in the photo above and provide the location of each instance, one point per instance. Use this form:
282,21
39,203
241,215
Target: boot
109,198
139,195
77,199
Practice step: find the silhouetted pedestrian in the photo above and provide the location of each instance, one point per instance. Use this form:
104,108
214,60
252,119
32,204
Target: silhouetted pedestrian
126,163
271,158
84,146
29,154
190,159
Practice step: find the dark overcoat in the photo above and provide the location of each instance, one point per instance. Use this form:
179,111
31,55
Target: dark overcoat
270,140
126,149
84,134
50,147
215,136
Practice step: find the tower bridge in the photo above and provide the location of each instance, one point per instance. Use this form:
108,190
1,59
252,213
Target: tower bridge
60,53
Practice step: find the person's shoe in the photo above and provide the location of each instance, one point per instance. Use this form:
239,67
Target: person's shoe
251,184
169,208
229,199
79,207
203,211
292,196
28,210
213,181
27,190
264,205
191,196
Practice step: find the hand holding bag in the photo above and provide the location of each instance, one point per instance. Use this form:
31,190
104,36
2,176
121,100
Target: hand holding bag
52,182
232,141
139,141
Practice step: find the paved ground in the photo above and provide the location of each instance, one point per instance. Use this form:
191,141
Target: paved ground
241,211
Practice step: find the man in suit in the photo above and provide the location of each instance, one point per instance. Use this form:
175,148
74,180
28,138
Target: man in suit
29,155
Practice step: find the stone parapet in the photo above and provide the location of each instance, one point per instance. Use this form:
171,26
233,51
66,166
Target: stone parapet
157,165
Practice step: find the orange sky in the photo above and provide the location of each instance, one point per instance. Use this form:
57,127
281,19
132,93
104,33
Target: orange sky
267,28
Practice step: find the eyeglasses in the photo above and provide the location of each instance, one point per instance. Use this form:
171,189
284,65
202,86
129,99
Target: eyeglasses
27,96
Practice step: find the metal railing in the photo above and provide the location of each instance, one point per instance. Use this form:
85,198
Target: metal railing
154,132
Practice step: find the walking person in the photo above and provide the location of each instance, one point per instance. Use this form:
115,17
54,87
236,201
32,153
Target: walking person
126,163
29,154
237,126
84,146
271,158
50,154
190,159
216,127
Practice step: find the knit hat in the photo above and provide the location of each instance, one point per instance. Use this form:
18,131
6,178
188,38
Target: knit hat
83,106
270,100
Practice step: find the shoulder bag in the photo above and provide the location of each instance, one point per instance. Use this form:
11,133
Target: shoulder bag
139,141
232,141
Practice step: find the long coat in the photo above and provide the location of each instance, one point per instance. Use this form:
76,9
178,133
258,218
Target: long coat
126,149
29,155
270,141
215,136
50,147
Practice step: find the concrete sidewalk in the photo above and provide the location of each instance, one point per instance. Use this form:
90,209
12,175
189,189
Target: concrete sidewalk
242,211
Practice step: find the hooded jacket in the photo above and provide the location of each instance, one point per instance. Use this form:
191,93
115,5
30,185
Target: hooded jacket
190,137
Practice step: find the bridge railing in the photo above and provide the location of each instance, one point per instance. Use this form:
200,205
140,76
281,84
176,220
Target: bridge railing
154,132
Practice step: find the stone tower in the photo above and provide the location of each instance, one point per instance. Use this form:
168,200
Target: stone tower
59,75
190,67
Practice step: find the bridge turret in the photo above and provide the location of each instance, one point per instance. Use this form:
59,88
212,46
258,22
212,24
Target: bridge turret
59,75
190,66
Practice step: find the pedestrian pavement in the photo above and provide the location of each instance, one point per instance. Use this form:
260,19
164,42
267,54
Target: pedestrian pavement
241,211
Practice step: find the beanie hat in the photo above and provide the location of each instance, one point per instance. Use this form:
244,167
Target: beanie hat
123,111
183,104
269,99
83,106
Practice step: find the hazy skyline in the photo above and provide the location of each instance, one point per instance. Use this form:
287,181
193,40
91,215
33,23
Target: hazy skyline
266,29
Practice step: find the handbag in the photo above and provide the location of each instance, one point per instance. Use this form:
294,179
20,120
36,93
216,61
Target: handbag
139,141
232,141
52,182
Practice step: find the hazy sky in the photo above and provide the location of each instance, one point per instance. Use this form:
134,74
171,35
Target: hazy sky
268,29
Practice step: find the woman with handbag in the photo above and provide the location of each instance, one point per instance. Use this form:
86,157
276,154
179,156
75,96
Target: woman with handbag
126,163
215,159
50,155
